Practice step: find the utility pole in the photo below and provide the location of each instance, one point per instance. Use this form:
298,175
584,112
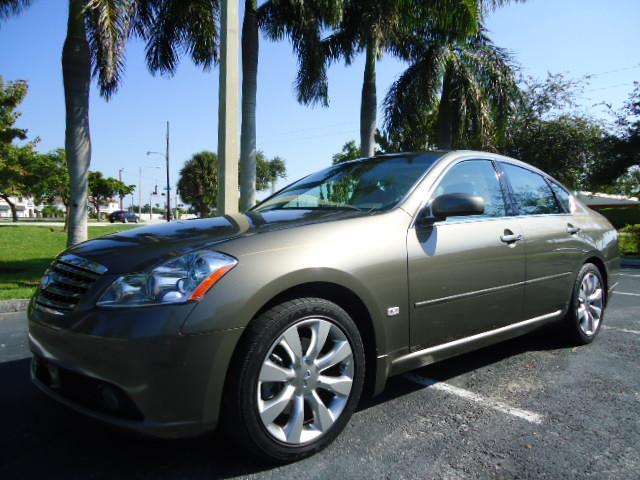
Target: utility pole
120,178
168,184
229,100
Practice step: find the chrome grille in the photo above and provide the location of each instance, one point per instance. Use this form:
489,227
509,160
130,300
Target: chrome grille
65,282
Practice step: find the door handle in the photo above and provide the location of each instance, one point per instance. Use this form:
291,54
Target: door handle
571,230
510,238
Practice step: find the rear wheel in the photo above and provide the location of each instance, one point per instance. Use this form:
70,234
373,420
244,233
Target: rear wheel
584,319
295,380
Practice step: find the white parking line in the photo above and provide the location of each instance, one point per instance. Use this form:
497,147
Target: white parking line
630,275
625,330
474,397
626,293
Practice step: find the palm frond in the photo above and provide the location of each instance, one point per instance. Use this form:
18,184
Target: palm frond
109,26
176,27
9,8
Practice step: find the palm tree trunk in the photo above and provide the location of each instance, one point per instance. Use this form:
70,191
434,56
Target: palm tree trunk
12,206
445,116
250,48
76,74
369,104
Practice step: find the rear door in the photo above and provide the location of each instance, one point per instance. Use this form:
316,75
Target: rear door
552,241
465,275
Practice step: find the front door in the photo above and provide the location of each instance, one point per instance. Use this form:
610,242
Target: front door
466,274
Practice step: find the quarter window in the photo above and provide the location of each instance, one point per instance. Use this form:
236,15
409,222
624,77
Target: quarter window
562,196
475,177
531,193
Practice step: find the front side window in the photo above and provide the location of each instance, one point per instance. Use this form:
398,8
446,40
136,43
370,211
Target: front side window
369,185
475,177
531,193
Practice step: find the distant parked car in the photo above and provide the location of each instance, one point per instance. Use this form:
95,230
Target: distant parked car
124,217
273,321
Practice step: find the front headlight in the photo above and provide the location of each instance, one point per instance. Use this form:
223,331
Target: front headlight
178,280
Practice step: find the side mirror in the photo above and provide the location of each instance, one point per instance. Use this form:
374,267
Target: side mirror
452,205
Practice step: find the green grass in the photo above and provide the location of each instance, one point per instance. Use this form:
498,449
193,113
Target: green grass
26,252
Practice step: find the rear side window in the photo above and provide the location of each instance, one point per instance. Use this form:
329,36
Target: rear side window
475,177
531,193
562,196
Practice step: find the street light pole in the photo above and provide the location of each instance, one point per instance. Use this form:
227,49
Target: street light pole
120,178
168,184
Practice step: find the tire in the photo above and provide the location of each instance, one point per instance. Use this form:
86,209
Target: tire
583,322
252,396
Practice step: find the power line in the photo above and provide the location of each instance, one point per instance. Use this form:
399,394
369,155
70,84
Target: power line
609,86
607,72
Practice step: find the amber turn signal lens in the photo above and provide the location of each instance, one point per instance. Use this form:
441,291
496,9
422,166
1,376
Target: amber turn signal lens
209,282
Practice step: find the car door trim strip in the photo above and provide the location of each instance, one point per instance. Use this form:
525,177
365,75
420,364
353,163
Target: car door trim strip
485,291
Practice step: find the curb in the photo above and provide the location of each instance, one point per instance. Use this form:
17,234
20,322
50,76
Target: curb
10,306
630,262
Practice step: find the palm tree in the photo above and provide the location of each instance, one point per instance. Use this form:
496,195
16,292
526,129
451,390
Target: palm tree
464,89
375,27
297,20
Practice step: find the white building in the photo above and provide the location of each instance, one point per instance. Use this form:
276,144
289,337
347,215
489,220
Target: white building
27,208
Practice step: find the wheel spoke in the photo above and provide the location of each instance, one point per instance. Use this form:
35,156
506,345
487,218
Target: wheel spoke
595,311
341,352
596,296
320,332
323,417
293,429
275,373
338,385
271,409
291,343
589,322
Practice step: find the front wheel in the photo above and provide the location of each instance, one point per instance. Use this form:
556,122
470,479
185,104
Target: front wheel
584,318
296,379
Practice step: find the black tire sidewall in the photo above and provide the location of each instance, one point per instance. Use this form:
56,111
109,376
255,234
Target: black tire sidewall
266,329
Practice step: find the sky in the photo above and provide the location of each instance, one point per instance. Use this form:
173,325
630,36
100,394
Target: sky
574,37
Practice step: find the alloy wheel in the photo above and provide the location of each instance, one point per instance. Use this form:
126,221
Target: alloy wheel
305,381
590,304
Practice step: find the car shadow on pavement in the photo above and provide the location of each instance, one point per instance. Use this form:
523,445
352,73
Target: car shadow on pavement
545,338
41,438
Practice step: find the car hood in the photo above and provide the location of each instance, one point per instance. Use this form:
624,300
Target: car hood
140,248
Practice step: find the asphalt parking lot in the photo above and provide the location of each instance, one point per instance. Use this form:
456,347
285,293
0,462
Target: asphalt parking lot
527,408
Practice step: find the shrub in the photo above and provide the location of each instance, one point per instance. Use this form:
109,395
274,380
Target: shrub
620,217
629,241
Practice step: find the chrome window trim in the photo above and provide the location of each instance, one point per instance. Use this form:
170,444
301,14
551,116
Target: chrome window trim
436,182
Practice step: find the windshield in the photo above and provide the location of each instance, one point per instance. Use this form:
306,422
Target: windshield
369,185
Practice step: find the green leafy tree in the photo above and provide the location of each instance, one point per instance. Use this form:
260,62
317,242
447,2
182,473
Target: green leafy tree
546,132
52,179
376,27
198,183
102,189
455,94
350,151
623,145
15,161
269,171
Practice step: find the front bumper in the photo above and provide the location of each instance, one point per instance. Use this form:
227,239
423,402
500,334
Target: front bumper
132,368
